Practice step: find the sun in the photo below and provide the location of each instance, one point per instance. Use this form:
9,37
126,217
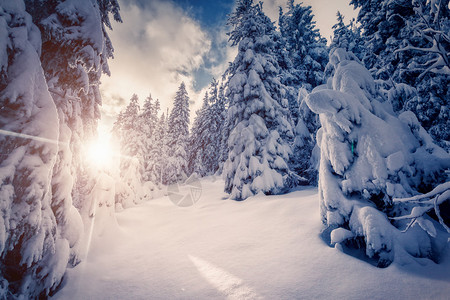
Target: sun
100,152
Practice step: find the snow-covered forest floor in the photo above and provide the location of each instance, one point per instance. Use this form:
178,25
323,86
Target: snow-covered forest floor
267,247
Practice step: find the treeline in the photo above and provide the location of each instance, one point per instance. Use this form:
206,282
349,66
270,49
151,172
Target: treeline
287,62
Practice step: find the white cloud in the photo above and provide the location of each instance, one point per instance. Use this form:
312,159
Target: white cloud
156,48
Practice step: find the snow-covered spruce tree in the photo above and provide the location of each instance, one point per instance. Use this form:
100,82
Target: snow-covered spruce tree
305,160
387,27
257,114
75,49
347,36
127,129
163,141
216,120
225,129
206,135
383,23
368,157
197,142
178,135
34,251
383,28
148,126
302,56
428,43
305,46
159,150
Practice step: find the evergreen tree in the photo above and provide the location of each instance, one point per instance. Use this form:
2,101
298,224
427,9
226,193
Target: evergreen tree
72,59
225,128
150,121
163,131
428,42
258,114
159,150
75,49
347,36
304,160
382,23
178,134
302,56
34,250
368,157
305,46
198,141
216,120
206,136
127,129
386,27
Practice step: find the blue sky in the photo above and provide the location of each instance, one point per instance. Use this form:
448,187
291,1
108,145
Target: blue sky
163,42
212,17
210,13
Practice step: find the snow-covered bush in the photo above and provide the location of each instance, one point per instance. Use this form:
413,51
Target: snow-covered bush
368,157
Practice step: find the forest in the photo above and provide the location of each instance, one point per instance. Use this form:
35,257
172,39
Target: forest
363,120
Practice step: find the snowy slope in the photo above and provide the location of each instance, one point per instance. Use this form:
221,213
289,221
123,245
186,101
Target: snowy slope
267,247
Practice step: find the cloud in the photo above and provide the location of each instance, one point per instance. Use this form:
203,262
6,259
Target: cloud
156,48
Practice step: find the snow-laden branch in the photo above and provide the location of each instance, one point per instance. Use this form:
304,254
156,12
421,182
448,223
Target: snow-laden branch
429,29
437,190
425,203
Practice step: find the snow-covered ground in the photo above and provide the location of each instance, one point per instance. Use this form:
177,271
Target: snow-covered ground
266,247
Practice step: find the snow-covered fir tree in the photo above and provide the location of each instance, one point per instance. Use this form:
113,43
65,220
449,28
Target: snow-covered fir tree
258,114
206,134
305,46
304,160
72,59
197,142
127,130
149,126
302,56
34,250
428,42
368,157
217,116
159,150
347,36
225,129
75,49
163,142
178,135
410,25
382,23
